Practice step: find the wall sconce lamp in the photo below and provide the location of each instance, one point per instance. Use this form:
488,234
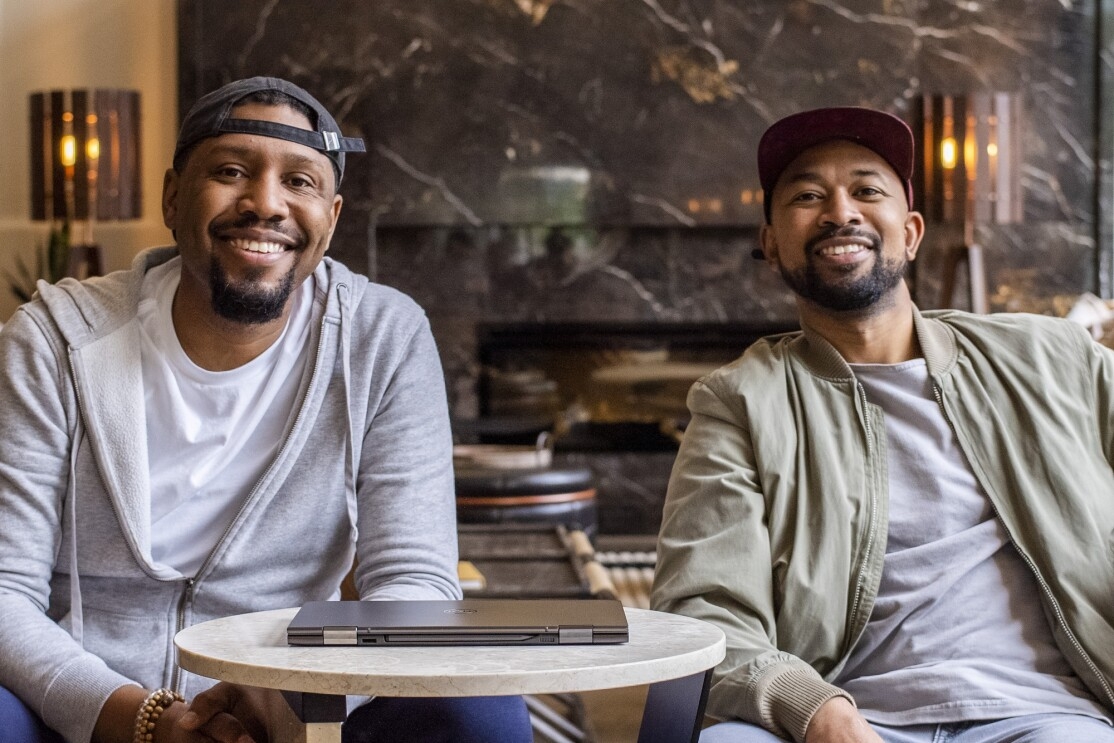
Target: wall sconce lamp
972,164
85,165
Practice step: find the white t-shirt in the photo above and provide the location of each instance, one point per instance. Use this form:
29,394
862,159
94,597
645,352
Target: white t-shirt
210,435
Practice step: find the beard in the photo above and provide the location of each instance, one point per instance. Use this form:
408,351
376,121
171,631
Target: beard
248,302
851,294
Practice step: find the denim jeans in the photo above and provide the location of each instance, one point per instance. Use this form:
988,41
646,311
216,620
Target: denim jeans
18,724
1043,728
440,720
382,720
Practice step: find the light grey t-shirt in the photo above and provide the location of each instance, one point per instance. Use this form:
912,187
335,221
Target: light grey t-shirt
957,632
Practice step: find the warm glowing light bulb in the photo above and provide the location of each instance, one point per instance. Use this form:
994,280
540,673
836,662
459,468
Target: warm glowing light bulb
93,148
68,152
992,149
948,153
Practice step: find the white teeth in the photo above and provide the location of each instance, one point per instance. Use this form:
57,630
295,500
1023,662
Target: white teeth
841,249
255,246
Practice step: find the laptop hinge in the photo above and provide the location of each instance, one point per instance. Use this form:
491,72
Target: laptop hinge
339,636
574,635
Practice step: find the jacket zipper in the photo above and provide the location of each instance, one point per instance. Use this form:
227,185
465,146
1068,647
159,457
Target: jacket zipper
873,528
1032,567
191,583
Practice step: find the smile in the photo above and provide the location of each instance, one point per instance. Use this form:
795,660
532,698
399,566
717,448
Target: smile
257,246
842,249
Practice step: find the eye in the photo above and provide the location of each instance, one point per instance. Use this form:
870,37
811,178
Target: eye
805,196
230,172
871,192
298,180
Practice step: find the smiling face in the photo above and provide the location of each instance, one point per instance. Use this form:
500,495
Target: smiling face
841,233
252,216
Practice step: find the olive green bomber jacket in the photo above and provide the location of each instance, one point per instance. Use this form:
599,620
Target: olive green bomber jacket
775,524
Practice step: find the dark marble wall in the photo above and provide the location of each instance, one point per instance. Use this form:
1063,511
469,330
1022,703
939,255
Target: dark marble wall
1104,125
573,160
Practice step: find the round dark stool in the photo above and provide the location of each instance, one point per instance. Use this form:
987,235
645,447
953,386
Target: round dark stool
535,496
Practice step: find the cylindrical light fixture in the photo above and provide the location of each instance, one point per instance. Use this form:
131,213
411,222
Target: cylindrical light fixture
85,155
971,145
971,175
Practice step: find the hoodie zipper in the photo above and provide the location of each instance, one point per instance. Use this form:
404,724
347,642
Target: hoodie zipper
187,597
1029,563
191,583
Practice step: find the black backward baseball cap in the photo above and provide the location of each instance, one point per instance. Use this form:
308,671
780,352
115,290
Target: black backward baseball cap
211,116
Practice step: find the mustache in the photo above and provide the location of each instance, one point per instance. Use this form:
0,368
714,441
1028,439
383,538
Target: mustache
828,233
248,221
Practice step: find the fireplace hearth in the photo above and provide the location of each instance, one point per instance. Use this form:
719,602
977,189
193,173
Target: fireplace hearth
606,387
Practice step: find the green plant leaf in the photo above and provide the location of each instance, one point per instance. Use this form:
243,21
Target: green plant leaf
58,253
52,263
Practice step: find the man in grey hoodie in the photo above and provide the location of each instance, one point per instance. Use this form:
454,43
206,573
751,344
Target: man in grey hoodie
220,429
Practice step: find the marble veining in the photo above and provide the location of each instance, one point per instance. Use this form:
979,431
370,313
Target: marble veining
576,160
474,108
251,649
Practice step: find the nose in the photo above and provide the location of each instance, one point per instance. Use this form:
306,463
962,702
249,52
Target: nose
840,208
265,197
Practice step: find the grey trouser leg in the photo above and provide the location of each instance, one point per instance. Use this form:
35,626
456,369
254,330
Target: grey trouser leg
1046,728
738,732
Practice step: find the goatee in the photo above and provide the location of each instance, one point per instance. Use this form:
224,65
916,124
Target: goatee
248,302
850,294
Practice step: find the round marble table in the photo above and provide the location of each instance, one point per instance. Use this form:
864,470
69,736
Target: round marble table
672,654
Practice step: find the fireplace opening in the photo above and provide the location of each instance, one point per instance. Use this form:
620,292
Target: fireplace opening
599,386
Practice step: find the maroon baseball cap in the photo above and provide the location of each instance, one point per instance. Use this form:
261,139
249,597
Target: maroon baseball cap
883,133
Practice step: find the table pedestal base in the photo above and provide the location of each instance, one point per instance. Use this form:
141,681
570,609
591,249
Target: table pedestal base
322,732
674,711
668,716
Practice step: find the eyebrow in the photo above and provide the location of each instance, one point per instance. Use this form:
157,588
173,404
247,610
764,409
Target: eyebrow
808,176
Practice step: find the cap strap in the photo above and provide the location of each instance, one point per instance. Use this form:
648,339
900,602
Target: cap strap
327,141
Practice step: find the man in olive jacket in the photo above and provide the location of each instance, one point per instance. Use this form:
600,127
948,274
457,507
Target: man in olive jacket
901,520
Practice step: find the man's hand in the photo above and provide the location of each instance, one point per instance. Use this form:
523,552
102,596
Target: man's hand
837,721
227,713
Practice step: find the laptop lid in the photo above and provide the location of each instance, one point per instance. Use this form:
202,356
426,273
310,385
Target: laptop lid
460,622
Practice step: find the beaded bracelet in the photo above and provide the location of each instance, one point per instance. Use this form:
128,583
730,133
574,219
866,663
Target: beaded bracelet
150,711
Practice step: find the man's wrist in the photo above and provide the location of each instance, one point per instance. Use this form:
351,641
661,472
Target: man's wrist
152,708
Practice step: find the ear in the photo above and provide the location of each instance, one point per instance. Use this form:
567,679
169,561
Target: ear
914,233
338,202
769,246
170,198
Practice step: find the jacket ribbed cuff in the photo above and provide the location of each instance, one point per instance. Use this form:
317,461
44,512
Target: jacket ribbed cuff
790,696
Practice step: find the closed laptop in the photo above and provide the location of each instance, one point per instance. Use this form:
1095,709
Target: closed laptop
460,622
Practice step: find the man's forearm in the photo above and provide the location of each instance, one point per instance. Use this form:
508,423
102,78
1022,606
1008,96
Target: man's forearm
116,723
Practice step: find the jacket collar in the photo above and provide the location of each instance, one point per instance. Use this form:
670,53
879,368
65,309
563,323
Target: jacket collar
936,339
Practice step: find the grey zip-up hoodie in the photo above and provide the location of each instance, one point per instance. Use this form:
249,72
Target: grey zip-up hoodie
366,468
